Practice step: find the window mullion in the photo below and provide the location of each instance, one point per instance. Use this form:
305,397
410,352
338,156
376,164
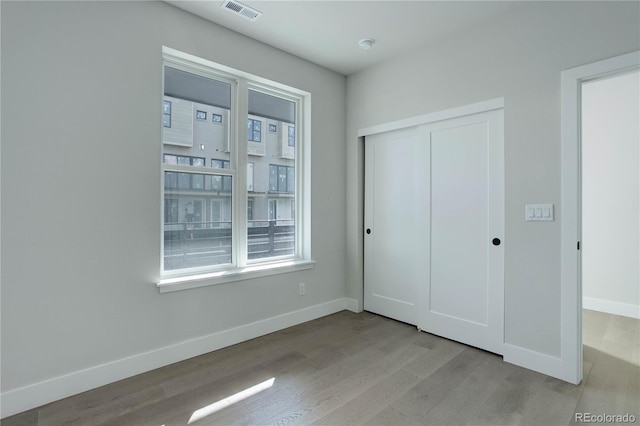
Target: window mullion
240,187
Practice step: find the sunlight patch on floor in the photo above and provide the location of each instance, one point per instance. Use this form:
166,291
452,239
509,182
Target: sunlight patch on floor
230,400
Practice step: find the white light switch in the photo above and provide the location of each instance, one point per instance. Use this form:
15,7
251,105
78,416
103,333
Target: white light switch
539,213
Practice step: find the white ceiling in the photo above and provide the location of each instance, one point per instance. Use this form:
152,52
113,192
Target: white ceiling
327,32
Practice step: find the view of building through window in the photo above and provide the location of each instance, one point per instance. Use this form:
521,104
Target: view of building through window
200,174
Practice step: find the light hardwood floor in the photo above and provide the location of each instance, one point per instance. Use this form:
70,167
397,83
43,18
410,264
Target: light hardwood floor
351,368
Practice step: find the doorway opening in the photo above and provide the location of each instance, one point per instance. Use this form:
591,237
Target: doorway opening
572,220
610,164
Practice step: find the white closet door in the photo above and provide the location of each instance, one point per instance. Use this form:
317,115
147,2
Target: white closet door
395,227
434,206
465,300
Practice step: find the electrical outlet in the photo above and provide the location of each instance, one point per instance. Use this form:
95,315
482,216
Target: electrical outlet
302,289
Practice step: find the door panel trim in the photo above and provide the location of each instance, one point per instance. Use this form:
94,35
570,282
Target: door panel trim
433,117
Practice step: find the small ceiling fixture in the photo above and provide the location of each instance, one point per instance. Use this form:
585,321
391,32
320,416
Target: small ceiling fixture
366,43
241,9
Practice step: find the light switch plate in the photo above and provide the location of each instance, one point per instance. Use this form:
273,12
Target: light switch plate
539,213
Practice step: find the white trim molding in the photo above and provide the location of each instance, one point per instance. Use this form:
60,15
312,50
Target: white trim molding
17,400
571,287
432,117
611,307
229,275
532,360
353,305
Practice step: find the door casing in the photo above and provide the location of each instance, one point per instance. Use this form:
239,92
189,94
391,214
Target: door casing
570,367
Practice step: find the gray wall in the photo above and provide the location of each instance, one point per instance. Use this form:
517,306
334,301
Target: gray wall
611,194
81,207
518,56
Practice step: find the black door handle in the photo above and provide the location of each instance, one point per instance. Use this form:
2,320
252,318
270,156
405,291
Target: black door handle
368,230
496,241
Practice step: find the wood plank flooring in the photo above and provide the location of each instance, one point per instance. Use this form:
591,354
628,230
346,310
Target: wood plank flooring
348,369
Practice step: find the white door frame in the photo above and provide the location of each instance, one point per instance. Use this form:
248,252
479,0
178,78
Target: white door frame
571,282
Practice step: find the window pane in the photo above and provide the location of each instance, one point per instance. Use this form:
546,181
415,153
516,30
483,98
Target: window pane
166,113
170,210
226,183
273,107
273,210
291,137
171,180
170,159
216,183
291,180
273,178
188,101
282,179
197,210
271,229
220,164
197,181
184,180
195,88
197,229
220,183
254,130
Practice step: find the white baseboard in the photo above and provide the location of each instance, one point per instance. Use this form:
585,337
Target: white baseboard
353,305
25,398
532,360
615,308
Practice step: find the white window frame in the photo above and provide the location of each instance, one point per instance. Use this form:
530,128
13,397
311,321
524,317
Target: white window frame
241,268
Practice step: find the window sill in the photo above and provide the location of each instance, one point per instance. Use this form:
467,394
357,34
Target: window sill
220,277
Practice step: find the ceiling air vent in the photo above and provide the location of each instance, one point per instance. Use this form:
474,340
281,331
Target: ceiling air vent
241,9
